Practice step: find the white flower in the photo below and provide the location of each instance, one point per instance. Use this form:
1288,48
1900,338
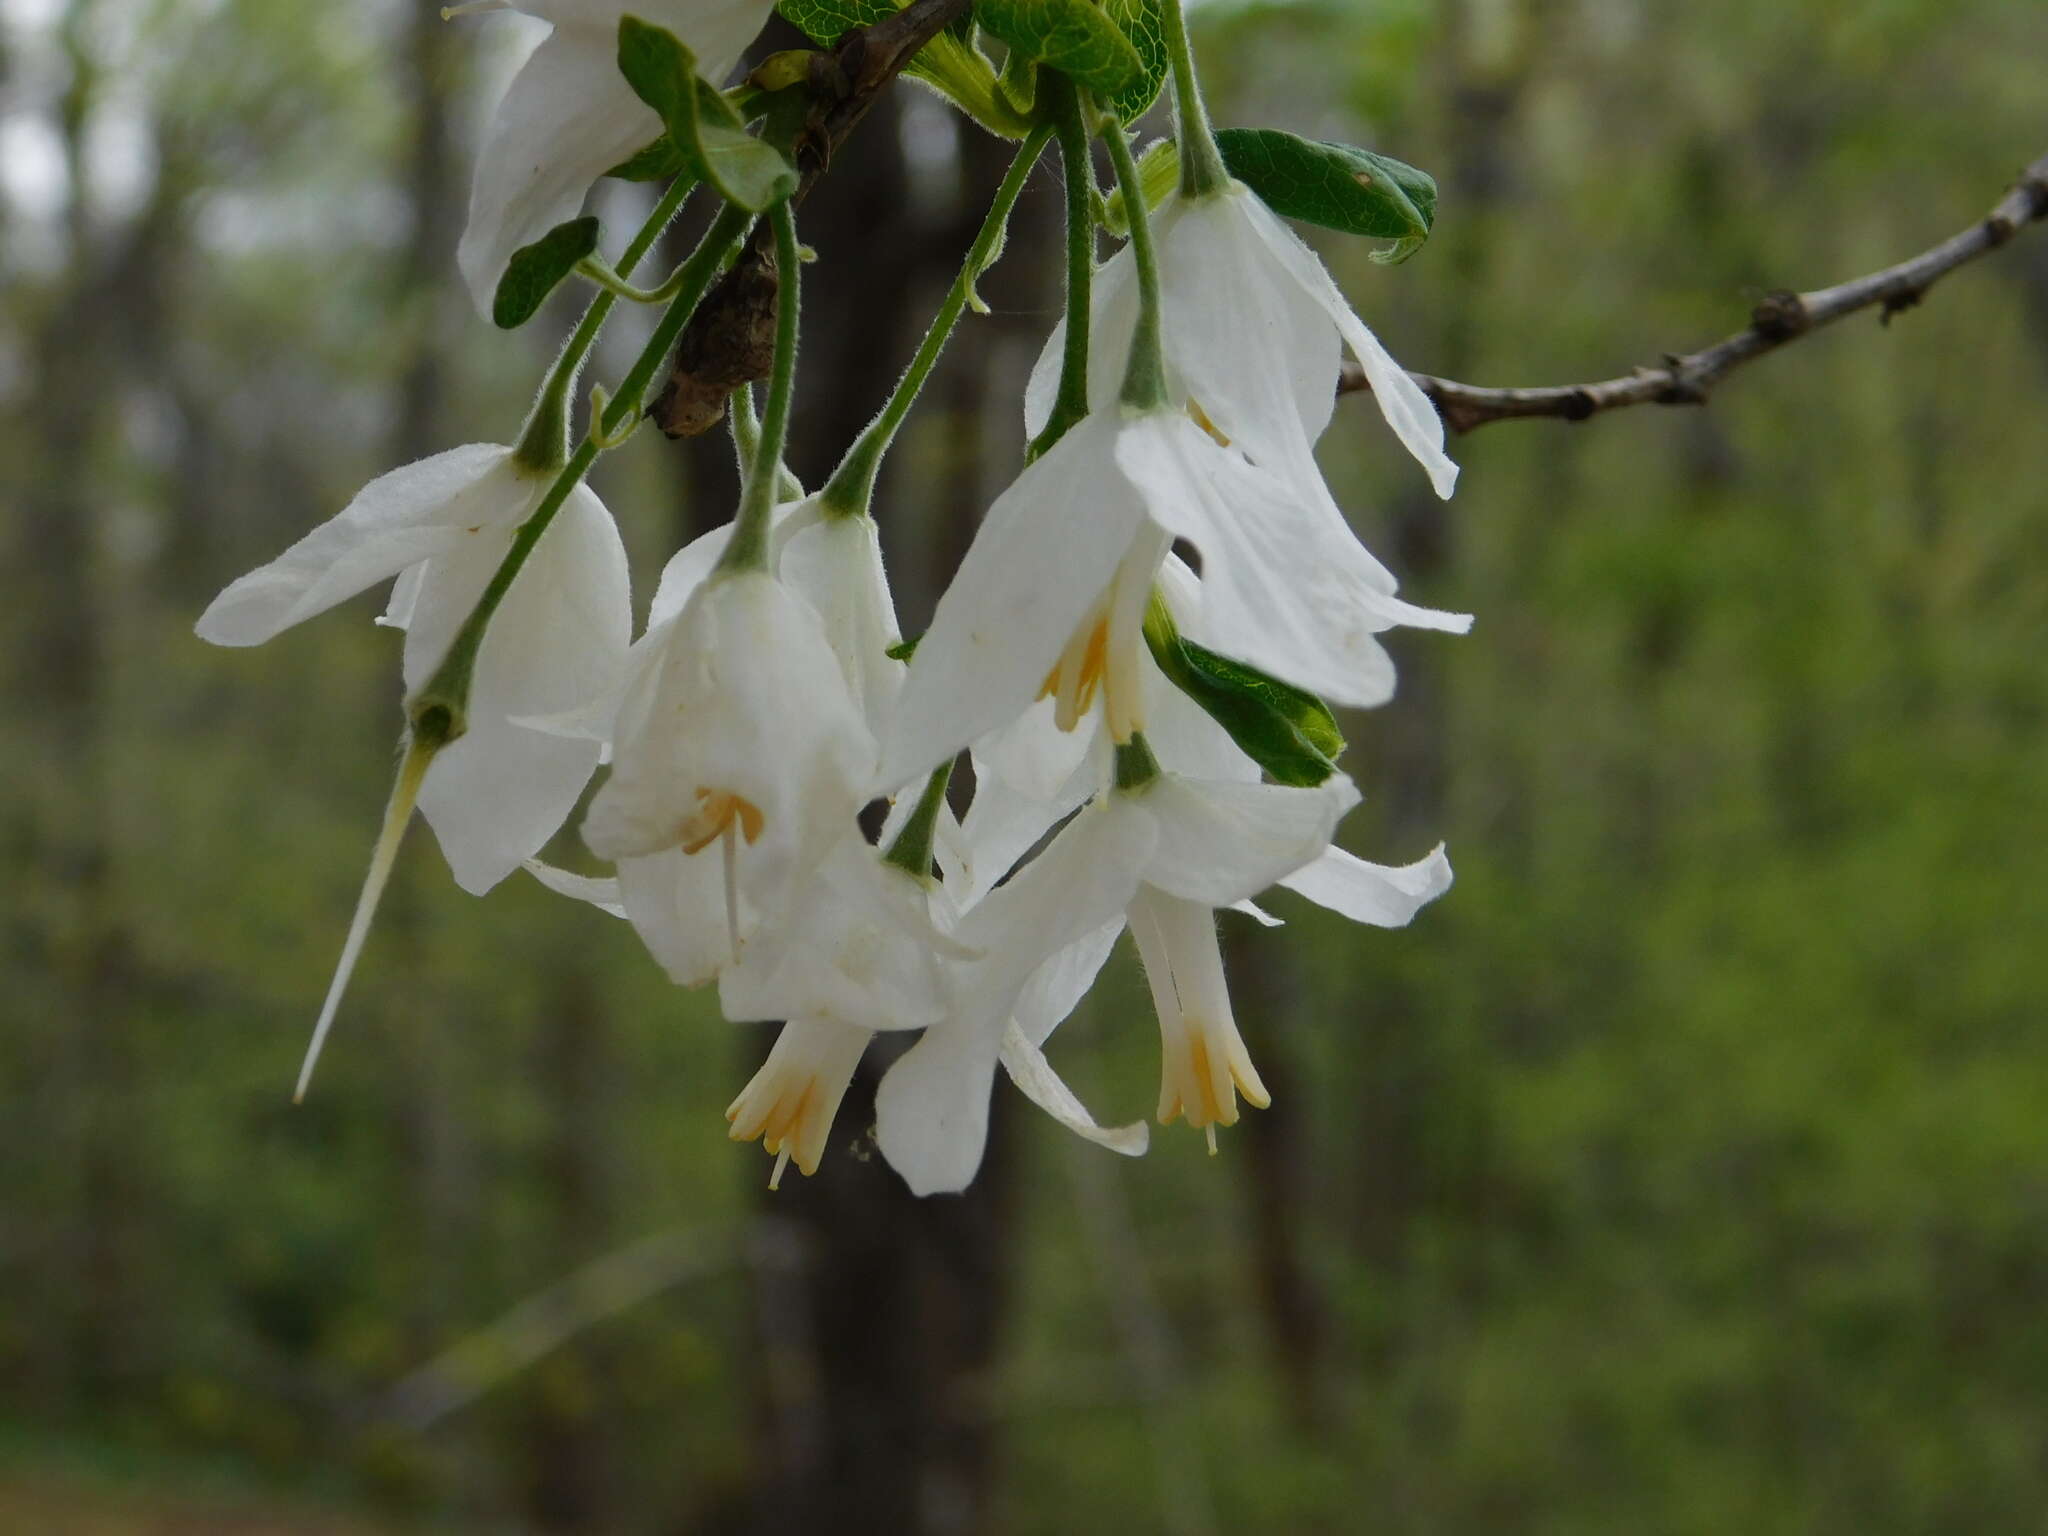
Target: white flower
1051,597
1168,855
443,526
1041,938
736,737
860,949
569,116
1253,329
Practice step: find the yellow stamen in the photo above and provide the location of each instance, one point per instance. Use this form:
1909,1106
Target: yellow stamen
718,809
1201,419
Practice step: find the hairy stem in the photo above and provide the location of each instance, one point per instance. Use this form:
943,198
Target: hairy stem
444,700
851,489
747,549
1076,156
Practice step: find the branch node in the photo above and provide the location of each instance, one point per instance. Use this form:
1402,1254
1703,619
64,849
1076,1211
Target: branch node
1899,303
1781,315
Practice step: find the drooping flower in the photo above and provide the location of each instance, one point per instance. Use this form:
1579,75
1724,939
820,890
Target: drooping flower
1041,938
443,526
739,761
1052,595
569,116
1253,328
1175,849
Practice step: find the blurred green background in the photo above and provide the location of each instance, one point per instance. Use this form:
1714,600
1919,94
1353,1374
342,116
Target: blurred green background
1684,1171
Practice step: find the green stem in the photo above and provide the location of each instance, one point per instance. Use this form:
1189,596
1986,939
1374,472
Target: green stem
439,710
747,549
1145,379
851,489
544,440
1202,171
912,850
1071,404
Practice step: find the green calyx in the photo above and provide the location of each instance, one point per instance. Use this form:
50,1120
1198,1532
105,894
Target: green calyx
912,851
1136,767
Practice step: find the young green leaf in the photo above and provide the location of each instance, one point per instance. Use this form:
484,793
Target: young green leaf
659,161
1334,185
826,21
535,270
1289,733
1073,36
706,130
1143,24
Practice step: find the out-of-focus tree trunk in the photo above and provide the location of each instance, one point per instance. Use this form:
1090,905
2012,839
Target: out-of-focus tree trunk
1278,1178
565,1476
882,1314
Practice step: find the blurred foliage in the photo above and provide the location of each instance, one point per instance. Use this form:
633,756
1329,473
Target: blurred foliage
1684,1170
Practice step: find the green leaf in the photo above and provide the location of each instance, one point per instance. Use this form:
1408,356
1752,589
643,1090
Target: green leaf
1143,24
536,269
1334,185
1073,36
659,161
1286,731
706,130
826,21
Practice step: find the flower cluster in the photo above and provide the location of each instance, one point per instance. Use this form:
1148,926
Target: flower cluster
1133,655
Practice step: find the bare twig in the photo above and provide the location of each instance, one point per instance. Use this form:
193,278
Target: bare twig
730,340
1780,318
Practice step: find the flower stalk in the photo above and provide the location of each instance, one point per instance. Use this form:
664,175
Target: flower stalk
1145,378
747,549
442,705
1076,157
850,492
544,440
1202,171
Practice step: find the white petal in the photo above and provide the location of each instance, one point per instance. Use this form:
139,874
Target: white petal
397,520
1081,882
1401,400
931,1112
567,118
1222,842
1283,587
1249,346
1114,317
1257,913
1034,1075
602,894
676,903
1386,896
1042,559
856,946
836,564
716,31
501,790
1057,986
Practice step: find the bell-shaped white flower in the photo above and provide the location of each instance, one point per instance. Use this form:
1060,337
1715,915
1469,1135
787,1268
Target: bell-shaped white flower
569,116
443,526
1051,597
1221,842
739,761
1253,329
1042,937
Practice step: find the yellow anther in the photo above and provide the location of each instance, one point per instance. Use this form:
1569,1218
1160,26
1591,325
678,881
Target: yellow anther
717,810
